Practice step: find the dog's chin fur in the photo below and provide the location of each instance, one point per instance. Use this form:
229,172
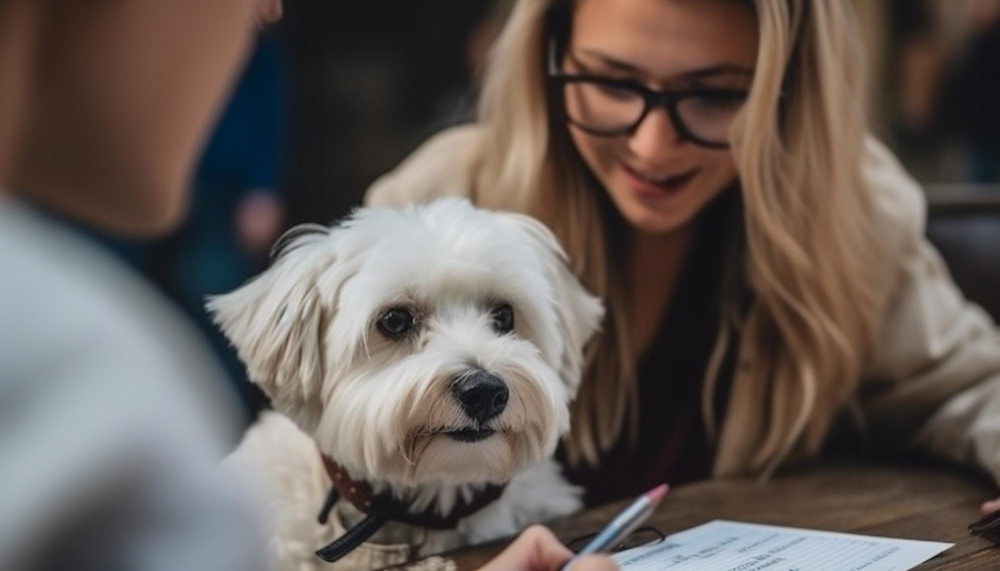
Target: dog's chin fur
438,458
383,406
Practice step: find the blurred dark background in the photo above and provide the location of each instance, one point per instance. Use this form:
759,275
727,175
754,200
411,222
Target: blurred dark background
339,92
368,81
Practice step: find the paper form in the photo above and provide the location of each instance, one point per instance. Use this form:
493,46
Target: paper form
722,545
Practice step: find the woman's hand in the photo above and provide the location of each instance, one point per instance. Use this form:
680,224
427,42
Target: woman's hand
989,507
537,549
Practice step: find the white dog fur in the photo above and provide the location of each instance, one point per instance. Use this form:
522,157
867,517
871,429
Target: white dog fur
312,331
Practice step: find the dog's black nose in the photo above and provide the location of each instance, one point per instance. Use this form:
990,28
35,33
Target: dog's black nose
483,396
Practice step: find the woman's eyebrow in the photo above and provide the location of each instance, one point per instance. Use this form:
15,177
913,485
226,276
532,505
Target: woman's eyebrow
610,61
698,73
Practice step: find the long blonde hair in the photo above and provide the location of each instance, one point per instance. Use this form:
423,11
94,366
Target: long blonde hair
810,243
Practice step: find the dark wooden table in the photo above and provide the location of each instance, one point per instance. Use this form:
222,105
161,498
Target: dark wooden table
914,502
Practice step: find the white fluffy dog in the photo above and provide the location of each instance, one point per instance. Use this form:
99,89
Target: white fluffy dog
430,354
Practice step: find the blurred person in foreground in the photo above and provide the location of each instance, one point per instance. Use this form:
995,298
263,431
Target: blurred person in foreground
111,411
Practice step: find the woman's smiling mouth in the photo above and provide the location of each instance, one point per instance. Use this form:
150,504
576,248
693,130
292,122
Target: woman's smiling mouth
647,184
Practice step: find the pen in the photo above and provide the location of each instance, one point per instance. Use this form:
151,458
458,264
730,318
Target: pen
623,524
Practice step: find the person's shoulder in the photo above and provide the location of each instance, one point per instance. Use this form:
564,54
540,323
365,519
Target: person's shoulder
900,206
73,316
442,166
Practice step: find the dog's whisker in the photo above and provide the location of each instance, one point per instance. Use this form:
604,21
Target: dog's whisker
524,408
410,451
427,442
432,413
364,343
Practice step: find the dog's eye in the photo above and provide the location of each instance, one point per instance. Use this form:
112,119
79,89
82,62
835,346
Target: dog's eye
503,318
396,322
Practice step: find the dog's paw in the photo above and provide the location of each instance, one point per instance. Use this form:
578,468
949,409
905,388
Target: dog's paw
541,493
536,495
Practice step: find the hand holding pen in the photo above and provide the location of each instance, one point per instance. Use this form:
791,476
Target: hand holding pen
537,549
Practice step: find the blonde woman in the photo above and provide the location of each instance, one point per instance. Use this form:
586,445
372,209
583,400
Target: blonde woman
707,166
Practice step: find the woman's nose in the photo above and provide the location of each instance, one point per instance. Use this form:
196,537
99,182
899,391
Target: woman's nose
654,135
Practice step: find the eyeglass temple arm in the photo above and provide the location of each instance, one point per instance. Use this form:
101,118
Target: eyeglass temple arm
553,66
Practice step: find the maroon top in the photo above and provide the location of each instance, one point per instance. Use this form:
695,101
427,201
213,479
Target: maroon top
672,444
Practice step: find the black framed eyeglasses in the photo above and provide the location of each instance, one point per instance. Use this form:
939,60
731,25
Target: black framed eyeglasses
642,536
611,107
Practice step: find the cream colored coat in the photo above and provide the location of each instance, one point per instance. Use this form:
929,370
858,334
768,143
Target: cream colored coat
934,381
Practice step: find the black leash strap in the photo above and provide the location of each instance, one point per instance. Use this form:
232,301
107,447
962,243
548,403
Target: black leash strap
354,537
382,509
331,499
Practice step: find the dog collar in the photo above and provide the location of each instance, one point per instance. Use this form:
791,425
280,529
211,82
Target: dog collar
384,507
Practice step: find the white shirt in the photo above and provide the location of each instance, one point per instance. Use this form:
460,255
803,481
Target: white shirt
113,417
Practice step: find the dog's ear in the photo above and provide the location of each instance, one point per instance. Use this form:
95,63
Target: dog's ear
578,313
276,320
